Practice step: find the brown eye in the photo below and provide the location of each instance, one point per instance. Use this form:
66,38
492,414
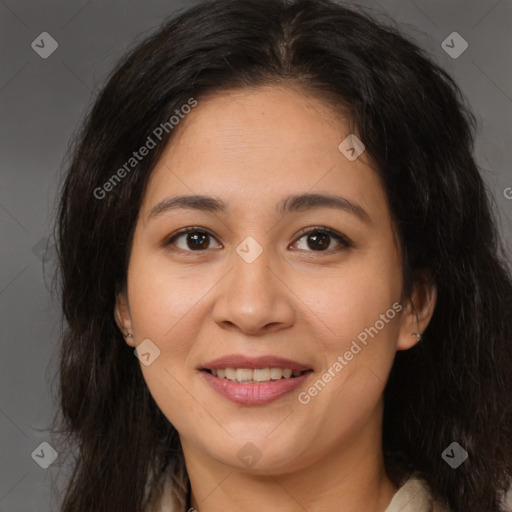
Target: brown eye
194,240
320,239
197,240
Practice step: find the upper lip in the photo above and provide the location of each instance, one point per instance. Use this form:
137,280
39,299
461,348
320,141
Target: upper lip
241,361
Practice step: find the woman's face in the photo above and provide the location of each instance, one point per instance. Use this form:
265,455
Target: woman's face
251,295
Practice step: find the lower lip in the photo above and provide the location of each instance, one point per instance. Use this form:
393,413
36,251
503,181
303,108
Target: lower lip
254,394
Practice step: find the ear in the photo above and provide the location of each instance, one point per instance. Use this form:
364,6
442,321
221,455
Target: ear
417,312
123,317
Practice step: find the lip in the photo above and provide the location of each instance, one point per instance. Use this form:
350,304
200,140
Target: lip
251,363
254,394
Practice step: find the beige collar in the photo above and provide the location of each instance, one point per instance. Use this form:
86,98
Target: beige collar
412,496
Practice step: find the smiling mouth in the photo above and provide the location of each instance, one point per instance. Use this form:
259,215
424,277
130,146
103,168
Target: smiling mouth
256,375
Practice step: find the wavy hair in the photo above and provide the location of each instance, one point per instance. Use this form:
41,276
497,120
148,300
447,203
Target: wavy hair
454,385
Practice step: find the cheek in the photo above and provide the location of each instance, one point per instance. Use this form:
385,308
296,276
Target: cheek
355,314
168,307
359,324
169,391
350,300
162,300
163,307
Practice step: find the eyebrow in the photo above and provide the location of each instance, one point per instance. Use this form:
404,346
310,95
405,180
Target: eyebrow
291,203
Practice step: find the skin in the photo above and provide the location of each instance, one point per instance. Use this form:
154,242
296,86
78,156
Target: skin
251,148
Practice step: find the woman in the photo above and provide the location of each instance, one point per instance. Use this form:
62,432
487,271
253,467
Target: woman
274,205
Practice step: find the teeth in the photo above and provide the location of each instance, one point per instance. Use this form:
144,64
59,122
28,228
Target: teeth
261,375
276,373
230,373
243,375
250,376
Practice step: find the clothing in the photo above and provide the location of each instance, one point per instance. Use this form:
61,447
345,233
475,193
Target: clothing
412,496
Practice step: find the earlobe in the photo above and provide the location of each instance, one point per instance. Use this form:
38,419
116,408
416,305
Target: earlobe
418,313
123,318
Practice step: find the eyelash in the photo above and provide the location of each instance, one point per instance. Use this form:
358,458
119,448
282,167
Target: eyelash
306,231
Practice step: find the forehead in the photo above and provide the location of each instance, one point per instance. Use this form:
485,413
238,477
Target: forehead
258,145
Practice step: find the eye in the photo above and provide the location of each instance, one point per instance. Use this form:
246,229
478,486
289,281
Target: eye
319,239
195,239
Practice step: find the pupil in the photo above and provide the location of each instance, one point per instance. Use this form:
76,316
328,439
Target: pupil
198,237
323,238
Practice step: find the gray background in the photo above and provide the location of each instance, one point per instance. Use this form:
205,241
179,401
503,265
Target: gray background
42,102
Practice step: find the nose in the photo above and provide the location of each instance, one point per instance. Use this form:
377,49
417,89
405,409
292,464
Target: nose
254,298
